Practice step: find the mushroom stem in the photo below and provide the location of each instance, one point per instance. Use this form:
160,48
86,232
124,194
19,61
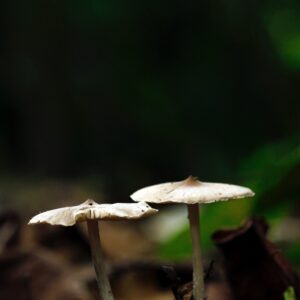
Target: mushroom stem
98,259
198,274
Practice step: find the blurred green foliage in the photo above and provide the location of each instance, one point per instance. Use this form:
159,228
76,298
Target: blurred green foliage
283,25
292,251
142,92
289,294
273,173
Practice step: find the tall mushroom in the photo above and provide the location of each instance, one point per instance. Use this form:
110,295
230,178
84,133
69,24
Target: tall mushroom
192,192
91,212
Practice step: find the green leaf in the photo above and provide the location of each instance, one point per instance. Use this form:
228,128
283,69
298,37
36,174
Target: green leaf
289,294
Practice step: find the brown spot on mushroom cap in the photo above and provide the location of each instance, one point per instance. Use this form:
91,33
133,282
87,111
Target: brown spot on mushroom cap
190,191
191,181
91,210
89,202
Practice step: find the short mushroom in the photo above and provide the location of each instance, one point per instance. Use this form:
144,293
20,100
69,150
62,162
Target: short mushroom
91,212
192,192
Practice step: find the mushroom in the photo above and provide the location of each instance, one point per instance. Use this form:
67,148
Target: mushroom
91,212
192,192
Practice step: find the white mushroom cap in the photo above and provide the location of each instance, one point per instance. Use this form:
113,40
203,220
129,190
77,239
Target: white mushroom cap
90,210
190,191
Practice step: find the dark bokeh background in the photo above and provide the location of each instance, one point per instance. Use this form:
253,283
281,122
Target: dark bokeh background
99,98
139,92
